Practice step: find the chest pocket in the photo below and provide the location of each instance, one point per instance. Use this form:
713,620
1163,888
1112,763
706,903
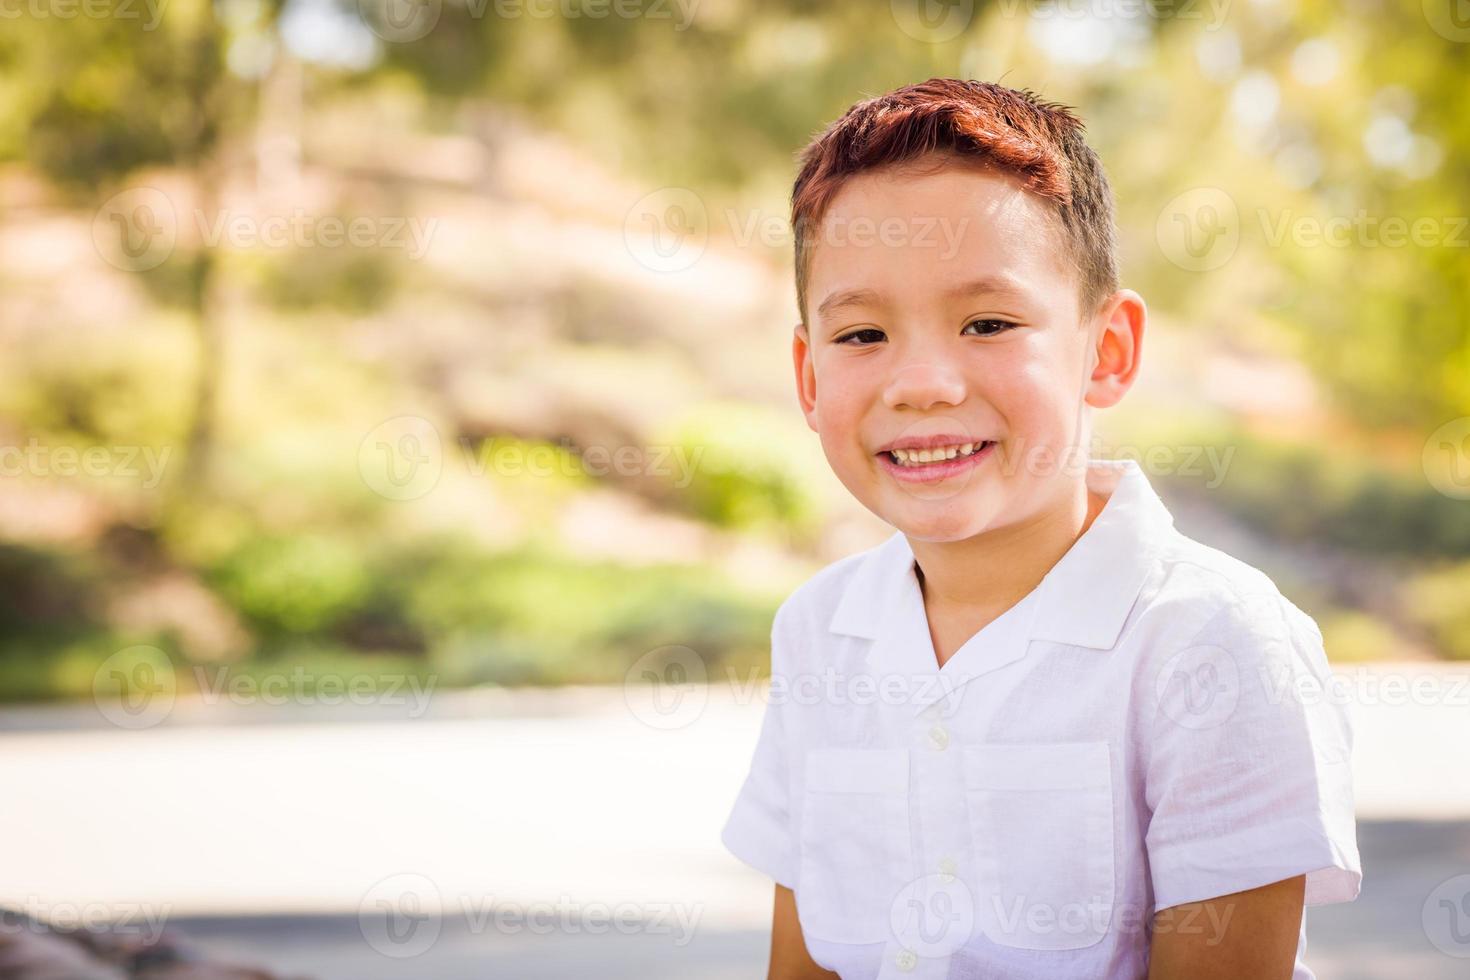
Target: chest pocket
1041,822
855,854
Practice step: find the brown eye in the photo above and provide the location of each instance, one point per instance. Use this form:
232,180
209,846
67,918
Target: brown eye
868,335
989,328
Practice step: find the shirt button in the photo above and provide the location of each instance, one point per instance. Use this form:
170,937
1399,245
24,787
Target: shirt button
947,869
939,737
906,960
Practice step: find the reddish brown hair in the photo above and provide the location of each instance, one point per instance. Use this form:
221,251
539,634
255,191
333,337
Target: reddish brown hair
1039,143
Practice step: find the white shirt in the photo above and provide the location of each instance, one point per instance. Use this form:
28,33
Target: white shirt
1138,732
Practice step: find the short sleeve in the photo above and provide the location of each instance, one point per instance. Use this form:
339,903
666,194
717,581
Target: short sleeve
1248,778
758,830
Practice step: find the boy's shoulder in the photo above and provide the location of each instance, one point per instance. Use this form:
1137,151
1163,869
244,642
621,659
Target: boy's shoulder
1201,595
1194,593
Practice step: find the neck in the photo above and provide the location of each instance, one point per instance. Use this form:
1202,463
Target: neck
996,569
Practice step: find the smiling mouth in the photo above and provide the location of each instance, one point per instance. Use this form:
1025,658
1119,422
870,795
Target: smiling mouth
919,458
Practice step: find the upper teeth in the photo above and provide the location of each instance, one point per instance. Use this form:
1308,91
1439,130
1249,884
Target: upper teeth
911,456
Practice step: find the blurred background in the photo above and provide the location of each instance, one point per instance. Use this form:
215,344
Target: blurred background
400,466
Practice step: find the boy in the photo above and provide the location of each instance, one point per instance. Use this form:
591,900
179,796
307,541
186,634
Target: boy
1037,733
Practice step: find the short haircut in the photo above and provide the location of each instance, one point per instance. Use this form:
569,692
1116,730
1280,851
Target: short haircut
1006,130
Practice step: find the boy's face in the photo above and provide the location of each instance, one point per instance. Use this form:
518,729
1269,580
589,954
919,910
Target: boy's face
944,304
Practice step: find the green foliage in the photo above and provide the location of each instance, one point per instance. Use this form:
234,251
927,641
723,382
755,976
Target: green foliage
1439,602
529,615
1350,636
316,568
293,584
352,280
1326,493
752,469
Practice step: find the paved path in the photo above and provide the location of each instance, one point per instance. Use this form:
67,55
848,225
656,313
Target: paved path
549,834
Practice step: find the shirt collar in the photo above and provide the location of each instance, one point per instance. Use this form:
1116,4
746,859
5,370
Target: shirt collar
1083,600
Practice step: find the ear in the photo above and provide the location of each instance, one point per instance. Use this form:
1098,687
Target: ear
806,374
1118,327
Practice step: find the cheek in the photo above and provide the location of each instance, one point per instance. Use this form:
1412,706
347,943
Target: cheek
1033,391
842,393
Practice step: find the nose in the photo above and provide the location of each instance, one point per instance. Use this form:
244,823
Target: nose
924,382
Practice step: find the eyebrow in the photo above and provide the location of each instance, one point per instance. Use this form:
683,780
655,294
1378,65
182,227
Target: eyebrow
991,285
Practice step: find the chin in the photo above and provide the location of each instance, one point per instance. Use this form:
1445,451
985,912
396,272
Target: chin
938,522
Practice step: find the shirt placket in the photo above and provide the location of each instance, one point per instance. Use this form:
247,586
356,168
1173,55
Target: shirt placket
940,841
